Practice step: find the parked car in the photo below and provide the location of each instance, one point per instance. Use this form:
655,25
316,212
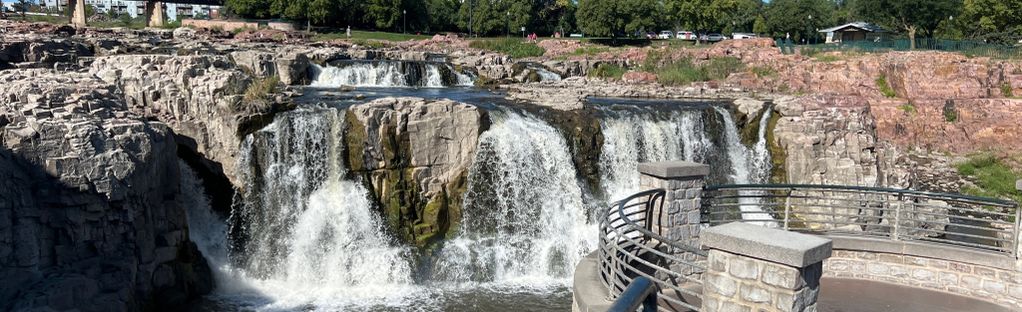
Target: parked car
686,35
712,37
738,36
652,35
666,34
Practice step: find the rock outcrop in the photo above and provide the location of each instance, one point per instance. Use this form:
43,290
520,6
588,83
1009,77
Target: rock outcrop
416,155
200,97
89,214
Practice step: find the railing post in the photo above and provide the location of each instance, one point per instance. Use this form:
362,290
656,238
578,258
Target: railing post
895,229
684,183
787,208
756,268
1018,223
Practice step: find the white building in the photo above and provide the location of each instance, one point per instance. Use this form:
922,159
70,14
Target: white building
137,8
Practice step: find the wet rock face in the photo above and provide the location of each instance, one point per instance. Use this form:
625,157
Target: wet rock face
415,154
89,217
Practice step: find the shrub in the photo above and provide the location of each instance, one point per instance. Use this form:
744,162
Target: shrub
1006,90
261,89
591,50
950,112
909,108
605,70
884,87
516,48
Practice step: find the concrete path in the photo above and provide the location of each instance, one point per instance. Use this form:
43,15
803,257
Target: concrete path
847,295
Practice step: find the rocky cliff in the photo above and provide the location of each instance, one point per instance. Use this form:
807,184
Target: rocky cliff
415,154
89,213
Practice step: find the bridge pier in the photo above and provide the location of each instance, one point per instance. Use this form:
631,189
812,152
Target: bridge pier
155,14
78,14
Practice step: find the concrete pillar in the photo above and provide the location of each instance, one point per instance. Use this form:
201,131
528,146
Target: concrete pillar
754,268
154,10
684,183
78,14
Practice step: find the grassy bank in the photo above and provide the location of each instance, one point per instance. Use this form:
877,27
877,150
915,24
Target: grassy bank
992,176
514,47
368,35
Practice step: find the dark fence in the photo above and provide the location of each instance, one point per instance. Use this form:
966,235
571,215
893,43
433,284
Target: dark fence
969,48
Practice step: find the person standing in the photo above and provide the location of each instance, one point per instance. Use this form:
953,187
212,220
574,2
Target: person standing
348,31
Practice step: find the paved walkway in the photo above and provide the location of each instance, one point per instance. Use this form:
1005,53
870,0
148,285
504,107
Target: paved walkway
847,295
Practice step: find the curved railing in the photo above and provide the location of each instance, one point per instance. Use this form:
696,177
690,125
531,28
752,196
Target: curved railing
632,245
965,221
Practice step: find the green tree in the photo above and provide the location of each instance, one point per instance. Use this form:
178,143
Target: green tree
22,6
600,17
442,14
249,8
911,16
703,16
992,20
385,14
802,19
483,17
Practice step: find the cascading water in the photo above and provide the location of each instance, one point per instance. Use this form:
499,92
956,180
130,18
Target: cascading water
744,170
761,155
631,139
525,222
311,237
388,74
547,75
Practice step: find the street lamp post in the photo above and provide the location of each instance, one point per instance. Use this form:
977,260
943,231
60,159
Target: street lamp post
508,20
812,36
404,21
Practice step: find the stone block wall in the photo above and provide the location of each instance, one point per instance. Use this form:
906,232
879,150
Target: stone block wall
734,282
1003,286
225,25
754,268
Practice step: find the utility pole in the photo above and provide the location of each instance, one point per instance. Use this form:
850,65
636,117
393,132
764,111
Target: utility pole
404,21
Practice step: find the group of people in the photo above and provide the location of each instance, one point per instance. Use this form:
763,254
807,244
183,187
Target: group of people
533,37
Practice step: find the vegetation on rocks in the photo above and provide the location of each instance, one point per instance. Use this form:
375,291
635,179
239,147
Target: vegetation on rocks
262,89
884,87
992,177
608,71
684,71
516,48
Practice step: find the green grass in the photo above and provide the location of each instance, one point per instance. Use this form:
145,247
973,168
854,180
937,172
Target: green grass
605,70
884,87
261,89
828,58
763,71
908,108
514,47
368,35
993,178
684,71
591,50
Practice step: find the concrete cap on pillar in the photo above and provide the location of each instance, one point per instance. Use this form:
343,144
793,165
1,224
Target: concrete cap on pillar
788,248
674,169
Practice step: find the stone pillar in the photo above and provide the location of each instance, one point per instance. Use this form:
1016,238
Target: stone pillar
156,13
684,183
754,268
78,14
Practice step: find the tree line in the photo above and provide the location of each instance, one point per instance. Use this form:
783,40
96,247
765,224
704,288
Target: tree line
990,20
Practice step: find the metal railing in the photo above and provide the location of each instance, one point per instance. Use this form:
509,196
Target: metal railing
964,221
641,292
632,245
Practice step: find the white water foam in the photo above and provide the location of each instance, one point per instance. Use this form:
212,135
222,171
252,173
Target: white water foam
380,74
631,139
525,223
744,171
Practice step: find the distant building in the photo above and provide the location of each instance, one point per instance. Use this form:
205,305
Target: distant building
137,8
857,31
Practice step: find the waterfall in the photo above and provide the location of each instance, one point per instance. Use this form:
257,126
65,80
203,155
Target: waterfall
386,74
312,236
761,154
547,75
631,139
743,171
465,79
525,222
